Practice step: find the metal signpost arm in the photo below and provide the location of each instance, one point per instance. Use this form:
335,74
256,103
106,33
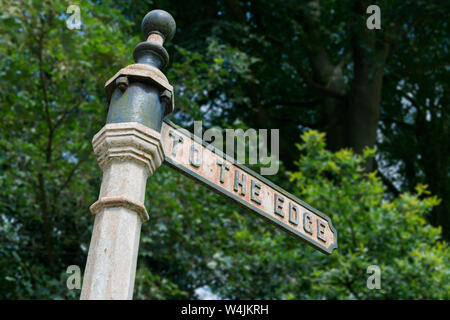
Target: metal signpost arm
190,155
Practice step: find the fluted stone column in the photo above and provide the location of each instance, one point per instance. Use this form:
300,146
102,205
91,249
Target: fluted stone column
128,150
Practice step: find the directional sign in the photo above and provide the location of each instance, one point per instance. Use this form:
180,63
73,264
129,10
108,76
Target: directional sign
208,165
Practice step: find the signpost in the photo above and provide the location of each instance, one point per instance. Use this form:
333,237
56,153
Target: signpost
135,141
204,163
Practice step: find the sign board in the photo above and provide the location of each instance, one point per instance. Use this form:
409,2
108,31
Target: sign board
208,165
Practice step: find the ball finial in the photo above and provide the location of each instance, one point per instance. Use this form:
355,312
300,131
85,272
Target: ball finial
159,21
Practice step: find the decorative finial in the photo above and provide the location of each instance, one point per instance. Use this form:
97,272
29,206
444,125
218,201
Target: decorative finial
158,22
158,26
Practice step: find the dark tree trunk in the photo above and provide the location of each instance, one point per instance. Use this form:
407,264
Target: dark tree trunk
352,115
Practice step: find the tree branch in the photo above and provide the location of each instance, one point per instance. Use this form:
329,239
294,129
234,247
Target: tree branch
66,112
48,153
237,11
317,55
391,187
315,86
41,193
413,101
45,218
69,178
401,123
319,60
291,103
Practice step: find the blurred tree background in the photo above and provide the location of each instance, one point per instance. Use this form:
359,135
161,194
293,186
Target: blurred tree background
364,137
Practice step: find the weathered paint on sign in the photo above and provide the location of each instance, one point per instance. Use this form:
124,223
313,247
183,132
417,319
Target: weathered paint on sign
188,154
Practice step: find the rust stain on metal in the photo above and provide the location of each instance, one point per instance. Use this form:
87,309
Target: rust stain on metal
222,174
157,38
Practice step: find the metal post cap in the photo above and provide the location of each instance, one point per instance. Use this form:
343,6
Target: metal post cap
159,21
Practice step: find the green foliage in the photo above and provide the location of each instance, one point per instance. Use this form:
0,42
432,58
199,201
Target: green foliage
52,103
230,73
372,230
202,79
198,239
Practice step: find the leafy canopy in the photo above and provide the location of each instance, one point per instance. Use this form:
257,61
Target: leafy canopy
52,102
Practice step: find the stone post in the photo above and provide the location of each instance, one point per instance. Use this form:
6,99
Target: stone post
128,150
